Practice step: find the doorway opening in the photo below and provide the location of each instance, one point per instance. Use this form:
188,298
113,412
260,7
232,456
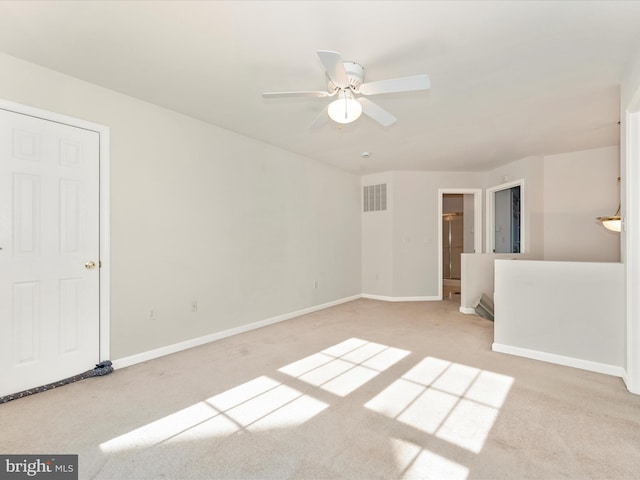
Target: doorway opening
460,212
505,222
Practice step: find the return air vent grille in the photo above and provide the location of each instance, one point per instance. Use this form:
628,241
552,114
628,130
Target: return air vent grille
374,197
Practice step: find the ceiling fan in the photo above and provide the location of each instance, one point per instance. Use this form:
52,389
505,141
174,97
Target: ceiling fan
344,80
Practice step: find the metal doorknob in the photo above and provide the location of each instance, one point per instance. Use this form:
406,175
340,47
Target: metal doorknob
89,265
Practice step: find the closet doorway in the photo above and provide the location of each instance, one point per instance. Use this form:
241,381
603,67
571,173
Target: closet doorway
54,297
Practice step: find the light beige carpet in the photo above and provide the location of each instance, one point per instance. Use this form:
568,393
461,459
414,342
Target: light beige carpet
363,390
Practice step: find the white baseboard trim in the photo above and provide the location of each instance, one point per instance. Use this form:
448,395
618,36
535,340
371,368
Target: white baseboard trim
195,342
627,383
400,299
468,310
560,360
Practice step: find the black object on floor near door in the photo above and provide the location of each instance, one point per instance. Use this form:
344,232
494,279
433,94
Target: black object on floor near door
101,369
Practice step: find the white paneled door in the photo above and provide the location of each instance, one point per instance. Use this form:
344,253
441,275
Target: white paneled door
49,251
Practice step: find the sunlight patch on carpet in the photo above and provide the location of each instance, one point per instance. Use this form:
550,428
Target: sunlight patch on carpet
417,462
346,366
158,431
258,405
454,402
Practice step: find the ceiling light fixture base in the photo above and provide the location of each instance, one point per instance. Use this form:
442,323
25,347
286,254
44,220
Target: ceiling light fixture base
355,75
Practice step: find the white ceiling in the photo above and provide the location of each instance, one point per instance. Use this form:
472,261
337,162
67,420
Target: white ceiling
509,79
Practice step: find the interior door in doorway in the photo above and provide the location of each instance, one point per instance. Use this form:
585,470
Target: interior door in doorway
507,220
49,251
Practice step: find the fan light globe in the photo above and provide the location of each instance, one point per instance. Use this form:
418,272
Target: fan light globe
346,109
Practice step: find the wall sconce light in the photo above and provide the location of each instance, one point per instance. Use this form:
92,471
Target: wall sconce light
613,223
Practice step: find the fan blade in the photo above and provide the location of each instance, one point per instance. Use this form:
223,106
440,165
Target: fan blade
376,112
320,121
318,94
395,85
332,62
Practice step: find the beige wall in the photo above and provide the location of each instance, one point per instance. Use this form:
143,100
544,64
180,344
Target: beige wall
377,241
201,213
554,311
400,247
578,188
558,227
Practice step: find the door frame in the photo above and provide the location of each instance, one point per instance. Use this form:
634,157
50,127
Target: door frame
477,223
104,224
630,239
490,245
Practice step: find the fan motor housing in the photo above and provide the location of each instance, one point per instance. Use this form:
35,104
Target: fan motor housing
355,74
